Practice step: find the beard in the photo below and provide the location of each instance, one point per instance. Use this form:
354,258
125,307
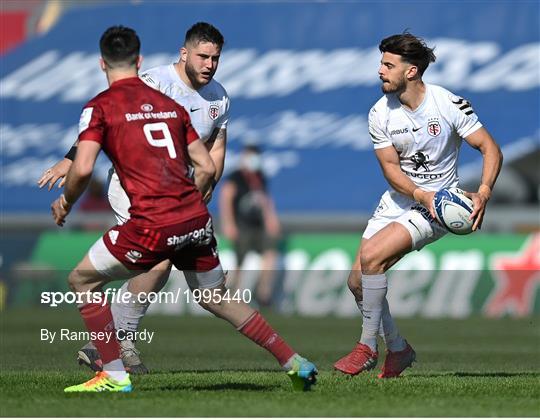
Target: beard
398,86
193,76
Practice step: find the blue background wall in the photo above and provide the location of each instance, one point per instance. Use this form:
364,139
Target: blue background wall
301,77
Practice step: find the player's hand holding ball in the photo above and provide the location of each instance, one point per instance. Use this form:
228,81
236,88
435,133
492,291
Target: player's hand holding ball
479,200
459,211
426,199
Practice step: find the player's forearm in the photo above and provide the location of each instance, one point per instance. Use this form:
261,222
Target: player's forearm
399,181
76,183
204,175
218,157
203,180
492,162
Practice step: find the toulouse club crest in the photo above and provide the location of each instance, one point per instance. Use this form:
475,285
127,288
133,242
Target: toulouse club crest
434,128
213,111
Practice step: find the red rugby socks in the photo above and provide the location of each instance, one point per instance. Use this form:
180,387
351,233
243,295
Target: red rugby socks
258,330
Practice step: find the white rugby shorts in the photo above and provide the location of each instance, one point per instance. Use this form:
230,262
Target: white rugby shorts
395,207
108,265
118,198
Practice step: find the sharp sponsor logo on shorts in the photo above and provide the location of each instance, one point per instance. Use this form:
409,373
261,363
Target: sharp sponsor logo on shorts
162,115
399,131
133,255
416,227
113,236
201,236
424,212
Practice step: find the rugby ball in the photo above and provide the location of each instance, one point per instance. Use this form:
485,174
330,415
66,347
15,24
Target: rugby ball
453,210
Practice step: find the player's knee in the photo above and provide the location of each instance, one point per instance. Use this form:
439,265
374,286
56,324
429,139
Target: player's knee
370,258
75,281
213,307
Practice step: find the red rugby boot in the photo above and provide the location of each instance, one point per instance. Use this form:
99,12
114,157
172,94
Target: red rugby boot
360,359
397,361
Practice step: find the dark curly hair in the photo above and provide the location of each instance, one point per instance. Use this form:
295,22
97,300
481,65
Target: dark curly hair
412,49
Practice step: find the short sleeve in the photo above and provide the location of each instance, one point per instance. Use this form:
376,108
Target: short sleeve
92,123
224,119
376,130
147,78
464,119
191,133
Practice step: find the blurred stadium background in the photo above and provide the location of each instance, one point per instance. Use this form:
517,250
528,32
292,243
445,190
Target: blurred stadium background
301,77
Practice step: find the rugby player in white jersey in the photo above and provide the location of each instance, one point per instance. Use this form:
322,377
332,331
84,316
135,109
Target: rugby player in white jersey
417,130
190,83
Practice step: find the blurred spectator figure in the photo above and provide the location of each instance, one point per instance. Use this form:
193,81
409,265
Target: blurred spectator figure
94,205
95,199
250,222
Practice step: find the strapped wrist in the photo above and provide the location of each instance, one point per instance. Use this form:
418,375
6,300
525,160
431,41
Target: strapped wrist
71,154
66,205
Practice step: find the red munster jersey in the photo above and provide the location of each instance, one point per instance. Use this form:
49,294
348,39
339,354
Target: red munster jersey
145,134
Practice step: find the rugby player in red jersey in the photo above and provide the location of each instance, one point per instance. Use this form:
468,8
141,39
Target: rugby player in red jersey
150,141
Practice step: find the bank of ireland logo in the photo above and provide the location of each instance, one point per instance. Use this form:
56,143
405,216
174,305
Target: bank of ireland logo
433,127
421,161
147,107
213,111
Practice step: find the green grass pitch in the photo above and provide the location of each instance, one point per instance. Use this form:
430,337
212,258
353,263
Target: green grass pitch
203,367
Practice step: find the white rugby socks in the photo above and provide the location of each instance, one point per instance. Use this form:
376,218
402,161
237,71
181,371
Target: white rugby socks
374,287
115,369
393,340
128,315
387,329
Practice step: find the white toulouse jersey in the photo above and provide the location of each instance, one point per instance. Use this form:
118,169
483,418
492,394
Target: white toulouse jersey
428,139
208,107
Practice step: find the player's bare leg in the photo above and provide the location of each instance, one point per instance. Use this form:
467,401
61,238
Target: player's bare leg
127,316
265,285
252,324
97,316
368,283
